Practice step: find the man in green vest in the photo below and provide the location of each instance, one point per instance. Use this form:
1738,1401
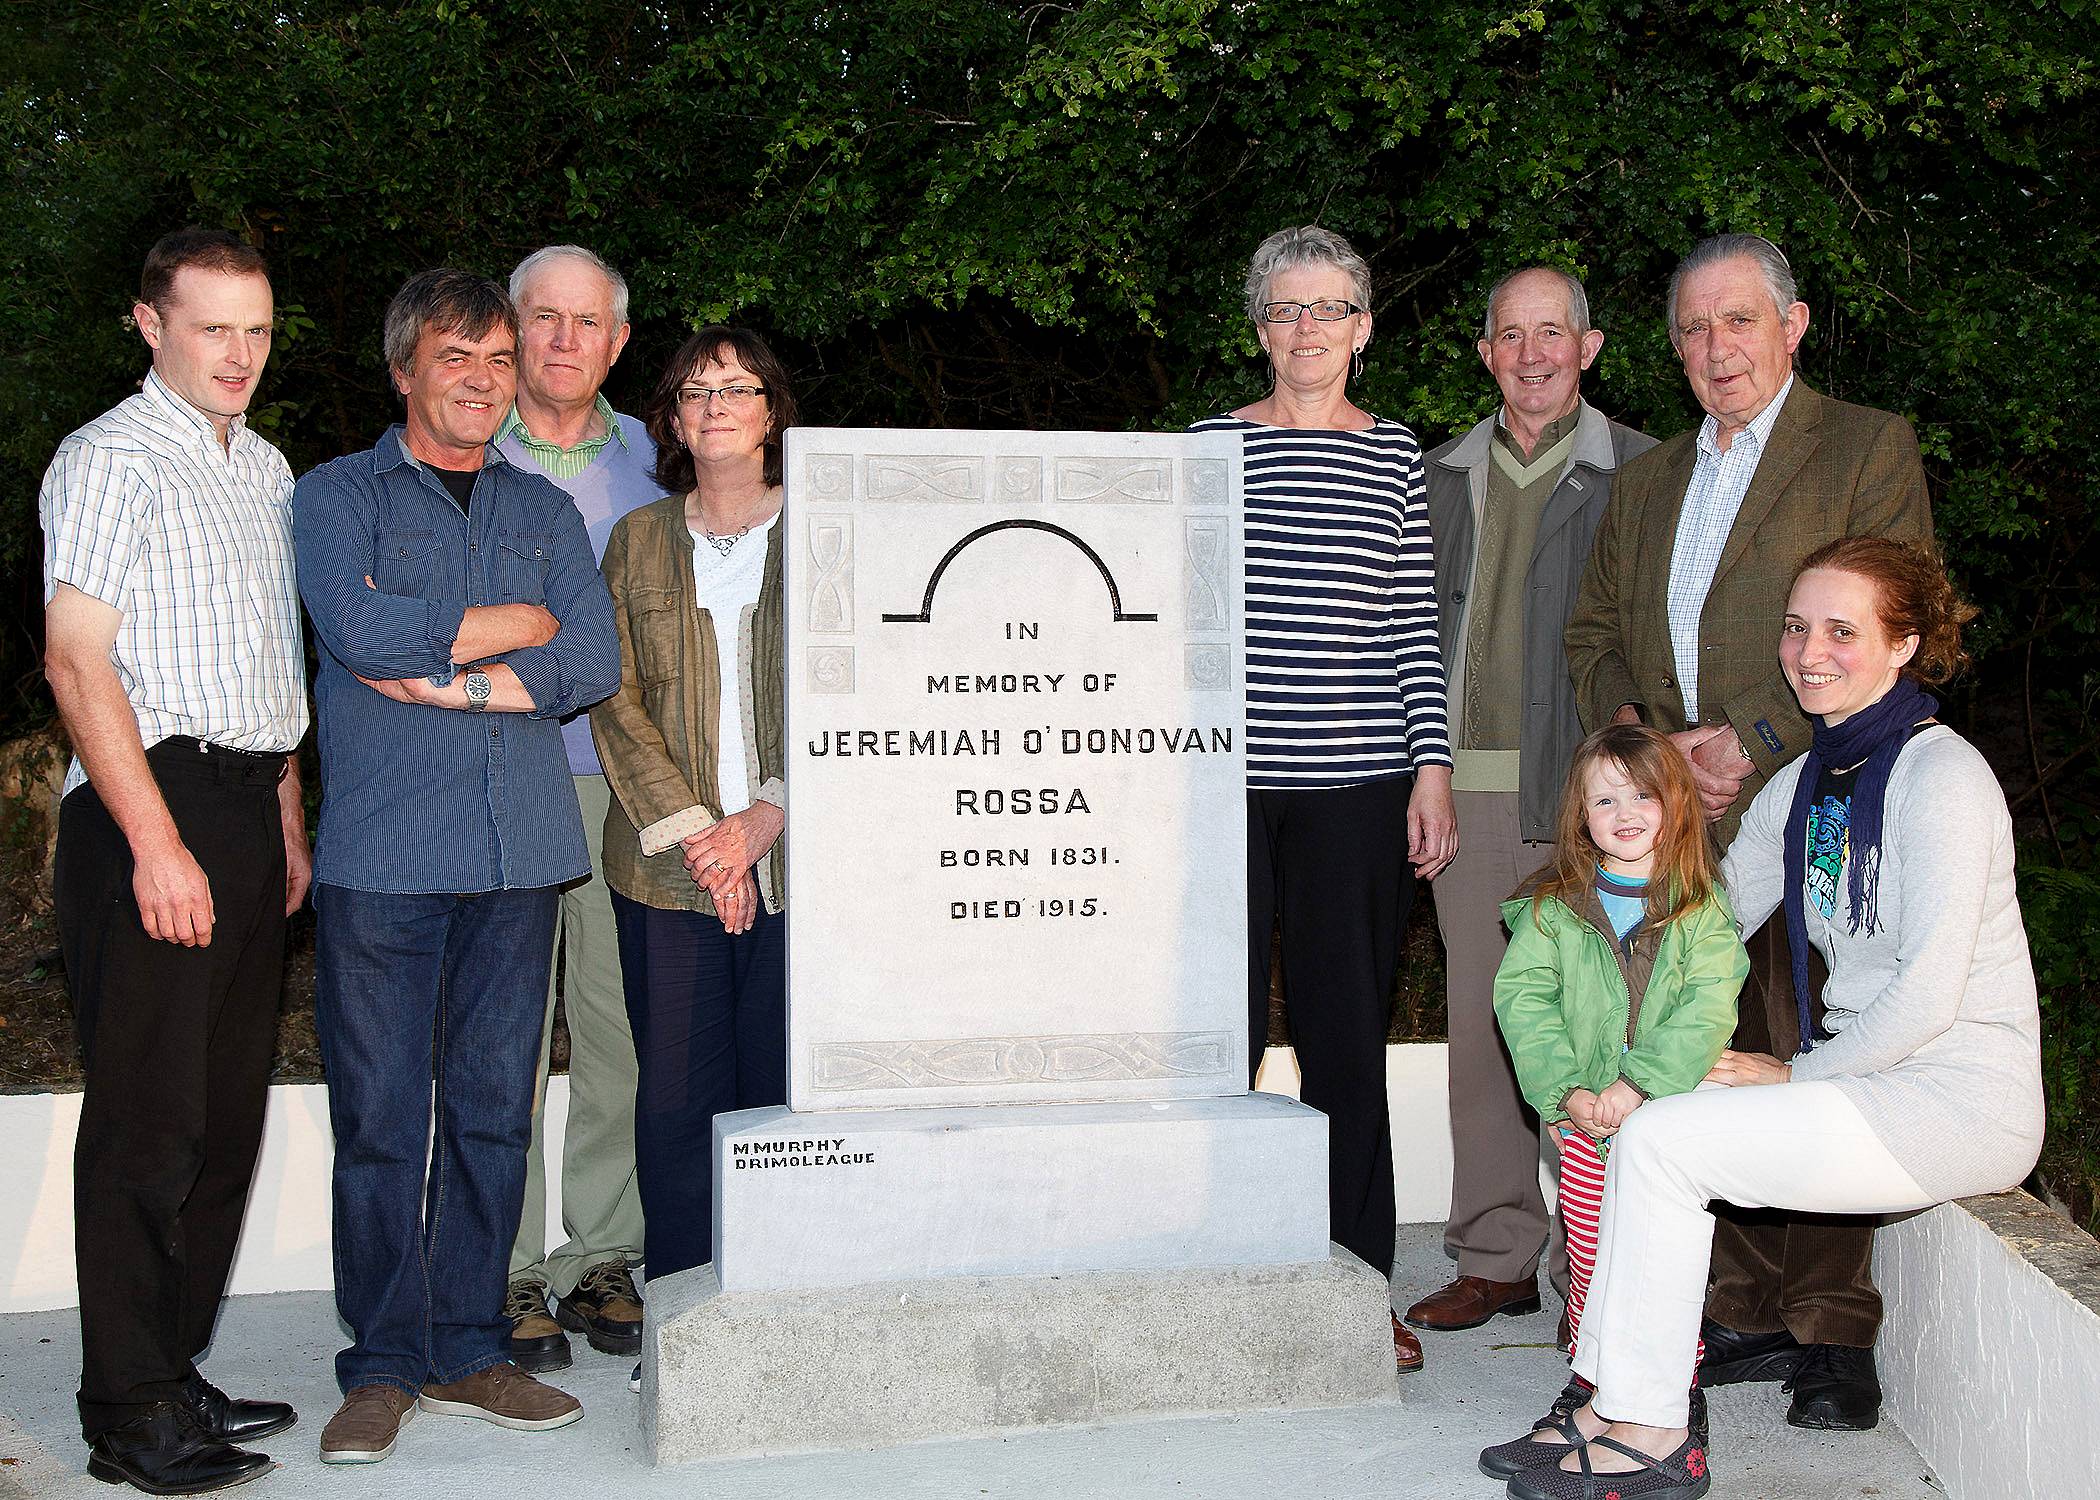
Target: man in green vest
1513,506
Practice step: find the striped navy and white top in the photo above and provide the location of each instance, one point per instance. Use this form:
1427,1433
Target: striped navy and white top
1344,680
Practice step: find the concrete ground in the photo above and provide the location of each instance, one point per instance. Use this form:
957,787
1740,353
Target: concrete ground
1480,1387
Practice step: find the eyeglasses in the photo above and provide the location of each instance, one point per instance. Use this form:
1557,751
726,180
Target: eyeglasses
1326,310
732,395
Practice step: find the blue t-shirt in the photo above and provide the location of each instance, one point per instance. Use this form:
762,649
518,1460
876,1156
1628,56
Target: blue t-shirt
1625,901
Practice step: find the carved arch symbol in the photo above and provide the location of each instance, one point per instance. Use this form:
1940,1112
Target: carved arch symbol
933,582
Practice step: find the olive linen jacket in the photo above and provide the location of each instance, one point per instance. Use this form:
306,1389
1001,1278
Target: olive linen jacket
1568,999
656,735
1829,470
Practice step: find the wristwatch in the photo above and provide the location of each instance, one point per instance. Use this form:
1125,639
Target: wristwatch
478,690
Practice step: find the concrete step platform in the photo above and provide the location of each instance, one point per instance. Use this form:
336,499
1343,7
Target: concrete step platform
1480,1387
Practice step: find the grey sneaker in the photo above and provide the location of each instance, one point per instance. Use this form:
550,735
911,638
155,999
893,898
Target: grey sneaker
507,1396
364,1427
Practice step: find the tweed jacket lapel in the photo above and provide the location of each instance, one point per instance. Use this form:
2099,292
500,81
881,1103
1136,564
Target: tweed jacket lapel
1794,438
1657,543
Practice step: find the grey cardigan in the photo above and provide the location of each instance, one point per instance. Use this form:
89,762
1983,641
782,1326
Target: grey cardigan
1938,1039
1456,482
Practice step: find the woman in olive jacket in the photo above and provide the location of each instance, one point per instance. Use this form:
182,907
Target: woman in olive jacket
693,748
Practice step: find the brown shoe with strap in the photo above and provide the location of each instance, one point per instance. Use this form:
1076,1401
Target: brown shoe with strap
1471,1300
1407,1349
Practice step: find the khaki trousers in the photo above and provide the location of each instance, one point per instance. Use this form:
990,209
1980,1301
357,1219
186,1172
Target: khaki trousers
601,1202
1498,1225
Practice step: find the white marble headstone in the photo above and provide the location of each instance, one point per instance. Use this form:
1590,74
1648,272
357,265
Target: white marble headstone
1016,767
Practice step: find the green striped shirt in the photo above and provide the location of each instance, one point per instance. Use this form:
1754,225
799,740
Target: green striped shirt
560,462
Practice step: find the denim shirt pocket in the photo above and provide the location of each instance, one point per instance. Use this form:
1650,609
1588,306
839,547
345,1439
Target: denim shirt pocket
522,558
405,561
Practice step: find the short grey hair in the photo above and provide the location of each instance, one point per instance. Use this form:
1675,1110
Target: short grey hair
522,277
1304,245
449,301
1771,265
1578,300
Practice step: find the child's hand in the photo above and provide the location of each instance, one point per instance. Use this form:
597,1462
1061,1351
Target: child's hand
1581,1106
1615,1104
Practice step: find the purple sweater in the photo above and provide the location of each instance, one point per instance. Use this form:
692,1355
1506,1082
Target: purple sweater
620,479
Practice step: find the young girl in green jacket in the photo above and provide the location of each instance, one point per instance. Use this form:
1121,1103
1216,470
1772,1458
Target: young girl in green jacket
1618,987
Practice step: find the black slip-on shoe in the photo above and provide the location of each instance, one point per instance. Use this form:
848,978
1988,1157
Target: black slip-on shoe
1733,1357
1836,1389
229,1420
165,1452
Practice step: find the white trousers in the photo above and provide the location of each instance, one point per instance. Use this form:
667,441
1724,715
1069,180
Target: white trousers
1802,1146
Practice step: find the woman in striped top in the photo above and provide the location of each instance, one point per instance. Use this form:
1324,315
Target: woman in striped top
1348,762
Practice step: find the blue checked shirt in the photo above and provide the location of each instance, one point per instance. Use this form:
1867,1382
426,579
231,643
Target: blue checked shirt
192,543
417,799
1711,501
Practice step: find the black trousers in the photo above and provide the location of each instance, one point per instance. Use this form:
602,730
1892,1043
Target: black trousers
708,1012
176,1043
1811,1274
1331,866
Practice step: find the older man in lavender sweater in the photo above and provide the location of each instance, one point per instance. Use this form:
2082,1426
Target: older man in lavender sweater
572,325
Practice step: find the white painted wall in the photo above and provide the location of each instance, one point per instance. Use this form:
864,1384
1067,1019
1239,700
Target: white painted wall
284,1244
1991,1368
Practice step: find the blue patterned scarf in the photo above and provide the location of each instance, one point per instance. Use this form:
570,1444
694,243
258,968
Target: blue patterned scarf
1871,739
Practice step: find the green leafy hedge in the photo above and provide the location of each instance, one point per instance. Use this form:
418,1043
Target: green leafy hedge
969,212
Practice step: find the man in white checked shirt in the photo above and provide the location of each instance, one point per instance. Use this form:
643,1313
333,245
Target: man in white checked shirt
173,649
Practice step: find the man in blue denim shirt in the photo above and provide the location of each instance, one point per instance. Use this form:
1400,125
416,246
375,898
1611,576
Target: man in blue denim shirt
460,615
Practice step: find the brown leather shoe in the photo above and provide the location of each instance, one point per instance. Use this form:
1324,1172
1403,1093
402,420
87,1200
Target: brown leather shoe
1471,1300
1564,1336
536,1341
605,1308
1407,1349
364,1427
507,1396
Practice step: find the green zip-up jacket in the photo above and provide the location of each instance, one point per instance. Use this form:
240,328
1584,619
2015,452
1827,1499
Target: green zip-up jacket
1581,1011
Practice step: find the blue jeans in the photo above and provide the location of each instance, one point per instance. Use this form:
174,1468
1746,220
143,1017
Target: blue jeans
709,1016
414,992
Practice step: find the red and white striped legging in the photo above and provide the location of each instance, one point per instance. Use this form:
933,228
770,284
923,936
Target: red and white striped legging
1582,1170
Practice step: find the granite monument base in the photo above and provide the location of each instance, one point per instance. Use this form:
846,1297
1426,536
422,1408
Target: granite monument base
753,1373
845,1197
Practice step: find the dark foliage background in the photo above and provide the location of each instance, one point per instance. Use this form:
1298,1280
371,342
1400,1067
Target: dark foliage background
958,212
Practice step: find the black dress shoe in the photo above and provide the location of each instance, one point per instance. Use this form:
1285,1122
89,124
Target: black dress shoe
166,1453
219,1415
1733,1357
1835,1390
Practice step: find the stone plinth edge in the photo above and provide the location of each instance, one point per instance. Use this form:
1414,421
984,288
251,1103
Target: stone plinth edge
756,1373
849,1197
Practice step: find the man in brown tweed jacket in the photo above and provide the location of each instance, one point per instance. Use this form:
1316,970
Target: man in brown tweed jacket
1677,625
